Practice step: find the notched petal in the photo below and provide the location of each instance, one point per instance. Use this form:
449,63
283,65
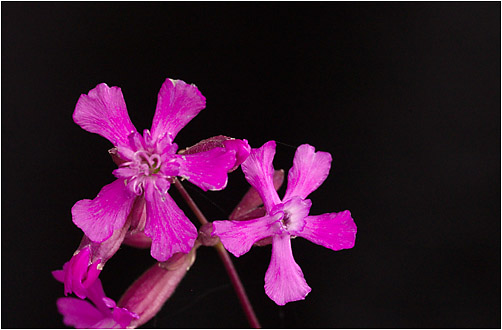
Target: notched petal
241,148
177,104
103,111
248,207
98,218
239,236
309,171
259,172
208,170
171,231
335,231
284,281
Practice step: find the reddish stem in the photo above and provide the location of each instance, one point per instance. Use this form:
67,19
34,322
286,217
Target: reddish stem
225,258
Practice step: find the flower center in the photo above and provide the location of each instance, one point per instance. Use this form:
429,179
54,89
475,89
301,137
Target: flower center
143,164
286,220
291,214
146,163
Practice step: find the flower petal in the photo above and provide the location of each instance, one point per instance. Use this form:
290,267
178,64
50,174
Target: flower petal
241,147
177,104
78,274
79,313
335,231
96,294
284,281
103,111
242,150
252,200
171,231
98,218
259,173
58,275
107,323
207,170
239,236
309,171
123,317
104,314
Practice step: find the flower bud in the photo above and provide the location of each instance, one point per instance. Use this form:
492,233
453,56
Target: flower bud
146,296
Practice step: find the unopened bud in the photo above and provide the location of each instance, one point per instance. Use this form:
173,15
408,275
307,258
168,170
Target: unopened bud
146,296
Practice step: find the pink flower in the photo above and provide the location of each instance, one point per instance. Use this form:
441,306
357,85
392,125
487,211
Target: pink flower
287,218
148,164
102,313
79,273
86,264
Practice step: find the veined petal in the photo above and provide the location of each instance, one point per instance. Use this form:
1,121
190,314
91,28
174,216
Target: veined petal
335,231
309,171
98,218
252,200
239,236
104,314
284,281
78,313
207,170
259,172
241,147
171,231
177,104
103,111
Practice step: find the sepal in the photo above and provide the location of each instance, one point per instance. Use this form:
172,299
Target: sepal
146,296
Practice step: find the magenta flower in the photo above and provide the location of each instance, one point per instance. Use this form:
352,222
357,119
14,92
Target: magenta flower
287,218
102,313
78,274
148,163
87,262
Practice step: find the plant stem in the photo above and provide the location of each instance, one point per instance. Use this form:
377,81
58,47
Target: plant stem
225,258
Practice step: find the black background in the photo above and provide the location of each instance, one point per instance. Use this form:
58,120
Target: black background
405,96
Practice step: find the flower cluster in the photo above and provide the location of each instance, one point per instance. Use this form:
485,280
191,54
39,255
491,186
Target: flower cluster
137,209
